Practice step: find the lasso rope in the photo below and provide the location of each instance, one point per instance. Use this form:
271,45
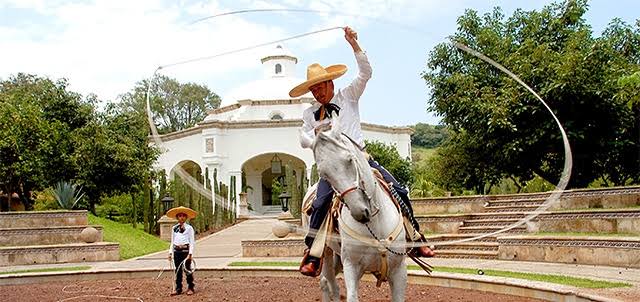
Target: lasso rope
66,291
552,199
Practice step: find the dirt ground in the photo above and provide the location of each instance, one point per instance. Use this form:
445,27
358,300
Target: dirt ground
219,289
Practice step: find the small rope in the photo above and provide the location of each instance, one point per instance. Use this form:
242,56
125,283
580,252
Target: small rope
385,246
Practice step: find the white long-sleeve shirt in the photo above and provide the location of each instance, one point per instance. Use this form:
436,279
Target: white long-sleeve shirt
188,237
347,98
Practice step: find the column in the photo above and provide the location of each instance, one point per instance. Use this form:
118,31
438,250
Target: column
238,175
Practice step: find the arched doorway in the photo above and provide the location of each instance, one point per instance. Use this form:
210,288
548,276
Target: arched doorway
263,181
190,167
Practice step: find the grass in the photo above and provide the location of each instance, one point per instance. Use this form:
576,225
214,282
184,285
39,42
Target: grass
50,269
584,234
421,154
556,279
133,242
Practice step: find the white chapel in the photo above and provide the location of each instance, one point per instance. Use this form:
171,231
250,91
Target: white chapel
257,124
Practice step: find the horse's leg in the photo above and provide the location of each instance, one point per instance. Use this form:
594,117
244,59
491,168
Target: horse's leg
328,282
398,282
352,275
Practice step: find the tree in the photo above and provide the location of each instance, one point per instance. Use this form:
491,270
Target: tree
175,106
502,129
390,159
428,136
37,120
113,154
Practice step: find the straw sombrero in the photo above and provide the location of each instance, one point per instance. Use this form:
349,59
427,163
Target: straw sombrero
318,74
175,211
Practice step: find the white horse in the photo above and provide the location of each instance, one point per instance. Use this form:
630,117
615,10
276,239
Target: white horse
372,235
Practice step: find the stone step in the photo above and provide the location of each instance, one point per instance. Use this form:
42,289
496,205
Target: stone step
516,202
472,246
497,215
35,219
490,229
47,235
503,209
490,222
59,253
456,237
467,254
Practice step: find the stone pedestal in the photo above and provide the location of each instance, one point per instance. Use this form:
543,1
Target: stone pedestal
243,213
285,216
166,224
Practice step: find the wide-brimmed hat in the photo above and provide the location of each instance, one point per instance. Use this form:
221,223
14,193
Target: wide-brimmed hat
184,210
318,74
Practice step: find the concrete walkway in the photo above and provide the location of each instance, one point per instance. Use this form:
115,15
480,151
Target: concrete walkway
220,249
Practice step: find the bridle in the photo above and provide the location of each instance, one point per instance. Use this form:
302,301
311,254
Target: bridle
358,184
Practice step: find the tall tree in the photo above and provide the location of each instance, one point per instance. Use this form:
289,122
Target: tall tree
504,127
37,118
175,106
428,136
390,159
113,154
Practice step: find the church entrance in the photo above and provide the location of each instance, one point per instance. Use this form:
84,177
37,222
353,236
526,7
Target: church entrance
265,178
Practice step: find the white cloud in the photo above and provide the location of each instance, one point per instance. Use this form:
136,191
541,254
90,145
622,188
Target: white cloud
105,46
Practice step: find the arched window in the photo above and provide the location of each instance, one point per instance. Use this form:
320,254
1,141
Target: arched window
276,117
278,68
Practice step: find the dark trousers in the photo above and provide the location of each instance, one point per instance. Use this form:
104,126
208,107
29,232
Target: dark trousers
324,195
178,257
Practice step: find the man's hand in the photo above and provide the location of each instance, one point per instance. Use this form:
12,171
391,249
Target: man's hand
189,257
322,128
352,37
169,257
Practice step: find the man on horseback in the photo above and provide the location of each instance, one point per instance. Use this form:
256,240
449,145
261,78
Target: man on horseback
342,105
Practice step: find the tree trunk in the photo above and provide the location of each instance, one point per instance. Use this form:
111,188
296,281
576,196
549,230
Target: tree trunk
134,216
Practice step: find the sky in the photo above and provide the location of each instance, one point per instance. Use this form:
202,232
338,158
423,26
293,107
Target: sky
106,46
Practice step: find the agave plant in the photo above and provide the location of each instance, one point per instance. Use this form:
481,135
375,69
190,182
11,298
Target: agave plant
67,194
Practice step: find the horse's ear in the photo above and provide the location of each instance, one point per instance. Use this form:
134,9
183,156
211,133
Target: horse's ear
335,123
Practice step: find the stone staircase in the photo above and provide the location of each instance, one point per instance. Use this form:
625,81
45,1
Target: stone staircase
497,215
52,237
465,217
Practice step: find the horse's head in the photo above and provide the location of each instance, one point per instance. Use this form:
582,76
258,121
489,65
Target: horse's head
346,169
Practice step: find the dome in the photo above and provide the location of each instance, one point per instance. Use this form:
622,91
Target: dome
279,77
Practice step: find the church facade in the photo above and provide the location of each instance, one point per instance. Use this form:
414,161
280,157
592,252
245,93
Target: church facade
255,133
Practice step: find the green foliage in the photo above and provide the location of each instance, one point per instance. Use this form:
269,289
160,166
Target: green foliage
133,242
499,130
37,119
314,174
48,133
390,159
276,189
295,203
175,106
428,136
67,194
48,269
44,201
114,154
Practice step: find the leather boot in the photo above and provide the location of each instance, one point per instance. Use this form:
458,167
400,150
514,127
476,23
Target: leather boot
423,251
310,265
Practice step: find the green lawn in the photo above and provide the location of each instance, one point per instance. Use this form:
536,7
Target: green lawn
557,279
133,242
51,269
421,154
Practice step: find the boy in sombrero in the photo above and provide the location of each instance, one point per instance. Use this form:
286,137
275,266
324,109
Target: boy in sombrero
342,105
182,245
